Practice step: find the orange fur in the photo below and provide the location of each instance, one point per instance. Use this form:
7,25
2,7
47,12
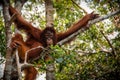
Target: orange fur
31,73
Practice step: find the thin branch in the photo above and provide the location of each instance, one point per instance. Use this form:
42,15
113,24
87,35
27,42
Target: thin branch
78,6
13,17
25,64
25,61
113,50
90,52
84,28
103,49
85,52
45,51
18,65
19,4
105,17
21,66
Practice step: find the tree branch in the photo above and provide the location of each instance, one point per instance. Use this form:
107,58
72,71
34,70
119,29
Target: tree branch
84,28
113,50
31,50
19,4
78,6
21,66
18,64
13,17
90,52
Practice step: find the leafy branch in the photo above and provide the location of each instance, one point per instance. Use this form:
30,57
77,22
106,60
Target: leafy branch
84,28
113,50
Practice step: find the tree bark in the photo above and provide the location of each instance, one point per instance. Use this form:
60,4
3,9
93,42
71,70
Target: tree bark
8,64
49,13
50,75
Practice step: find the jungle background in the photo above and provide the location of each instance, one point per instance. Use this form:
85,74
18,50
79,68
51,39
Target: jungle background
93,55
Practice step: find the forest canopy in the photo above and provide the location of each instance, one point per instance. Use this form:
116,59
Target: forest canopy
94,53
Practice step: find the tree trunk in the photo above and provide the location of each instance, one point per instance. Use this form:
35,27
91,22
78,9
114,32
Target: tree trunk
50,75
8,64
49,13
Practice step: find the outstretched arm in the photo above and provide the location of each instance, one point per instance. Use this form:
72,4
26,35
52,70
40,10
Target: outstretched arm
22,24
75,27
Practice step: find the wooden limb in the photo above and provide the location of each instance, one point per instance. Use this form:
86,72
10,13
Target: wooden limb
87,26
19,4
78,6
26,64
25,61
18,65
8,63
89,52
22,66
105,51
13,17
113,50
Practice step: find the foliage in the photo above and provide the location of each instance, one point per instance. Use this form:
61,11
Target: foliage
64,14
2,37
72,66
2,40
70,62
